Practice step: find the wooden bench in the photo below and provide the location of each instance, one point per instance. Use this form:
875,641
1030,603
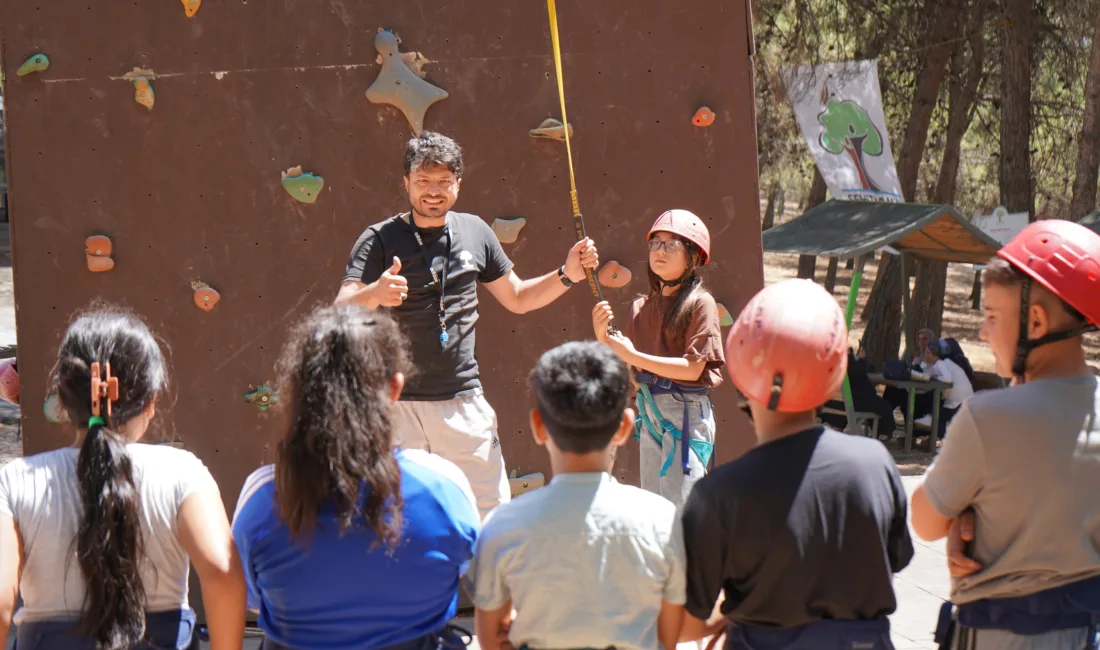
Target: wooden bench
865,420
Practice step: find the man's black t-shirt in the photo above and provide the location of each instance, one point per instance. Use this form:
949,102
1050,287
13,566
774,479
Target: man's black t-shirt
807,527
475,255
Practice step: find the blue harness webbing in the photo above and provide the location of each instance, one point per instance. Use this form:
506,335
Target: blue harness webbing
650,384
1072,606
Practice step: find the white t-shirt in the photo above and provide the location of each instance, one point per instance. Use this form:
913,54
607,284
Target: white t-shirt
586,562
961,390
41,494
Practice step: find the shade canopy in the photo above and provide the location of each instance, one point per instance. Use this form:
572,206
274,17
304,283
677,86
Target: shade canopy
847,229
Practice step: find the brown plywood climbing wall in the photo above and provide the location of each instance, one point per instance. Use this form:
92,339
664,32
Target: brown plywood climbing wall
172,136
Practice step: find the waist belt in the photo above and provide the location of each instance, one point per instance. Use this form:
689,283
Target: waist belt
1072,606
172,630
449,636
841,635
650,385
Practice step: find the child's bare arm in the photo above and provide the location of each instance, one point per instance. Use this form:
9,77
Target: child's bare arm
694,629
669,622
489,626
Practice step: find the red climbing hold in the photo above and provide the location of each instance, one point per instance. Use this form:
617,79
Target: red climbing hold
97,253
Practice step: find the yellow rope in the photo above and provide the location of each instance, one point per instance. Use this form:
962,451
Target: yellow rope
552,8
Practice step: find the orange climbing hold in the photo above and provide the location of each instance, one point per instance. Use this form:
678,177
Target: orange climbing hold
97,253
206,297
614,275
191,7
703,117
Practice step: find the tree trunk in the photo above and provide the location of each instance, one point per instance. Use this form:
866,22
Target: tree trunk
807,267
1088,143
807,264
1017,37
944,27
883,314
830,274
850,264
769,212
931,285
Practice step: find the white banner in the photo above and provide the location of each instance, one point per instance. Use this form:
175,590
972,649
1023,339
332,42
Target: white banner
839,108
1002,225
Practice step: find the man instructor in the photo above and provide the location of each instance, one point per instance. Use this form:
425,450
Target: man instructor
425,265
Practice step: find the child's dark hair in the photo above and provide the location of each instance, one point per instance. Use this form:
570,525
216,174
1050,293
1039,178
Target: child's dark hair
109,541
339,364
677,316
581,390
430,149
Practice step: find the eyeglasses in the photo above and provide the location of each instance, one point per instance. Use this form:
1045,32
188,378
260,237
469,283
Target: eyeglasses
671,246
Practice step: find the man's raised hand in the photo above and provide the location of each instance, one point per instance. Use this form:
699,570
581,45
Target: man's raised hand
392,288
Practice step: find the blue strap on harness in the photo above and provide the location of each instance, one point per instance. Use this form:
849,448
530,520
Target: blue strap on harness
1071,606
648,384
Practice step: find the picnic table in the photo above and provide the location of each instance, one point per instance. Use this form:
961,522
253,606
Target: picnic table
914,386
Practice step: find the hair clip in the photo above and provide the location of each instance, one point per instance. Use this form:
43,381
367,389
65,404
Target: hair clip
103,388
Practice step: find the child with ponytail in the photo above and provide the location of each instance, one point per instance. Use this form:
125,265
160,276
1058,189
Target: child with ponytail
99,537
674,343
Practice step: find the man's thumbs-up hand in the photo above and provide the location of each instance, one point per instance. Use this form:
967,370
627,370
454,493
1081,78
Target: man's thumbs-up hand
392,288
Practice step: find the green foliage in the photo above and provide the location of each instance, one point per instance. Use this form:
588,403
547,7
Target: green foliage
897,33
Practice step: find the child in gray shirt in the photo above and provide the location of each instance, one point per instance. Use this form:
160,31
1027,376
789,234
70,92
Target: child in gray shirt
585,562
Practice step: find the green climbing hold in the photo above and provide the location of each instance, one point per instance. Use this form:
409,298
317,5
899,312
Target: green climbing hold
262,398
725,318
303,187
36,63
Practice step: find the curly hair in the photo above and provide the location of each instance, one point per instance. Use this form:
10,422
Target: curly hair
339,366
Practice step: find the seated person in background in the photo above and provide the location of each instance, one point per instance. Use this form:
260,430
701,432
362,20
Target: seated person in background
943,369
864,397
899,397
805,531
346,541
586,562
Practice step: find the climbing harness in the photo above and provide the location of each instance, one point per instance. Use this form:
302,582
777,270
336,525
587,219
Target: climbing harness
1072,606
648,384
578,220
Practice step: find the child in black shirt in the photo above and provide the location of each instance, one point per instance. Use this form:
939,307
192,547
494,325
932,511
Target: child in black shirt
805,531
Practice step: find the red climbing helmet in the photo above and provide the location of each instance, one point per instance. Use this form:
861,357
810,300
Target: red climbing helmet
788,348
1064,257
684,224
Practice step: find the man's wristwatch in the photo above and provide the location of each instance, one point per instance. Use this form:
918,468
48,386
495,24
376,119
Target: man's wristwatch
563,277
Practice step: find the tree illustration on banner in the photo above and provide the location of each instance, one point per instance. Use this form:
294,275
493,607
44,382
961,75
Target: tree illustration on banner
848,129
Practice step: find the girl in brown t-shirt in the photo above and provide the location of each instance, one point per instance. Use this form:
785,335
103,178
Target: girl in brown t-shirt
674,343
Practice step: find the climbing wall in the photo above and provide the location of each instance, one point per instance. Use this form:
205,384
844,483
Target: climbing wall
211,166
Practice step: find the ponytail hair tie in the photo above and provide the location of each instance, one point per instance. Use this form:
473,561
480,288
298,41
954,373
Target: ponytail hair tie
94,420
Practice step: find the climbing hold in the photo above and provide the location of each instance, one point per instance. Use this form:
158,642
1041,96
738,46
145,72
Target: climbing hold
53,410
551,129
9,381
143,86
37,63
262,398
400,86
97,253
725,319
703,117
507,229
205,296
191,7
520,484
303,187
614,275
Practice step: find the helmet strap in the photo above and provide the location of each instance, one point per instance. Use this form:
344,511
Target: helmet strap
1024,345
777,390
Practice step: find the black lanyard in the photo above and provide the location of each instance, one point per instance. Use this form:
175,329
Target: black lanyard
440,281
